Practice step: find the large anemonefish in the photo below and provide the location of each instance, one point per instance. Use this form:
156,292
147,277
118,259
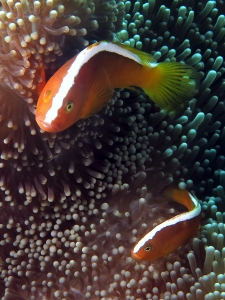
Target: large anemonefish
169,235
85,84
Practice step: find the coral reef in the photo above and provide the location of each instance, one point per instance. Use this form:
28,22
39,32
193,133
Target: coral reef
73,204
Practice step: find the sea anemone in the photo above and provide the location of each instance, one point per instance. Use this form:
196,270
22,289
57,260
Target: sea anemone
73,204
33,33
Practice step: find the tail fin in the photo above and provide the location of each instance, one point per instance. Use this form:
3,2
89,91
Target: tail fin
172,85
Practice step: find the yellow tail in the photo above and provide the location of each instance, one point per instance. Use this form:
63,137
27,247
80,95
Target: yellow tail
172,84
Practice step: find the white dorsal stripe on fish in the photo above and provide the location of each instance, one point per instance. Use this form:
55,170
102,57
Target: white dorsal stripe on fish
70,78
177,219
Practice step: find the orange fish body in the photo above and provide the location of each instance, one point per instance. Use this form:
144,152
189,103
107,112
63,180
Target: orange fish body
169,235
86,83
41,75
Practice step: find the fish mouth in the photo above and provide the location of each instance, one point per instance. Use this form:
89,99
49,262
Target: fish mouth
49,127
134,255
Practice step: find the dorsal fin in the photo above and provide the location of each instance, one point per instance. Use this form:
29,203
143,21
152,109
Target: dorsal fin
182,196
146,58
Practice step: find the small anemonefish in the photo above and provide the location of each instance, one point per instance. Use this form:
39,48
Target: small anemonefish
169,235
85,84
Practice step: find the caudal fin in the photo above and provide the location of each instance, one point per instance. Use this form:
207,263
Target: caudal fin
172,85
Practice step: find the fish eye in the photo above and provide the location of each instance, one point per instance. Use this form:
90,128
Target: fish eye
47,95
69,106
148,248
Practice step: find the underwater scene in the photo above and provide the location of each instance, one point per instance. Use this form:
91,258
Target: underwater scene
112,150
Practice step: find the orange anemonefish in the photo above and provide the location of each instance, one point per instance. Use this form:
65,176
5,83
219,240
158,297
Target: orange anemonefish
85,84
169,235
41,73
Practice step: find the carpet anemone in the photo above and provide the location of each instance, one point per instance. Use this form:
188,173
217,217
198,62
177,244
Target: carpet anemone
73,204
